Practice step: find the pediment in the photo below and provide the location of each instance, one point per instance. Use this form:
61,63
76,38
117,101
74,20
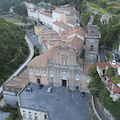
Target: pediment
64,55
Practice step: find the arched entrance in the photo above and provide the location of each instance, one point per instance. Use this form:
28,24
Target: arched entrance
38,80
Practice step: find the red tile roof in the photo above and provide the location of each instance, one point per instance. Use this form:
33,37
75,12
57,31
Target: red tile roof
75,42
103,65
116,88
62,25
41,60
79,31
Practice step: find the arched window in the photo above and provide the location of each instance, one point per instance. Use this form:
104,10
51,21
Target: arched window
51,73
91,47
37,72
64,61
44,73
30,116
31,71
24,115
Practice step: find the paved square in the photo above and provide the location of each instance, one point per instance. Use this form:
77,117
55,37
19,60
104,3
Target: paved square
61,103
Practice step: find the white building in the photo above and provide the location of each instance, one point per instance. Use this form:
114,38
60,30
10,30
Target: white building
45,18
59,26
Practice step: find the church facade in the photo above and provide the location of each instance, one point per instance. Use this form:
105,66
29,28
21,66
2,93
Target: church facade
62,65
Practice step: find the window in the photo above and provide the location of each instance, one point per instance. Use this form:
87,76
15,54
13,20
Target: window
77,77
44,73
30,116
51,73
64,61
37,72
24,115
91,47
35,117
103,72
31,71
45,116
64,74
9,89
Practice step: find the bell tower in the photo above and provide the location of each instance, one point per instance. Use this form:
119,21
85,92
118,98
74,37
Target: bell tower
92,43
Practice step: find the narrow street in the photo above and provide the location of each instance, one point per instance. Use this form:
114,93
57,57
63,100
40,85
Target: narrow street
101,54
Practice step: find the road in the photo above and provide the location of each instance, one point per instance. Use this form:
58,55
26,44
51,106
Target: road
101,54
31,48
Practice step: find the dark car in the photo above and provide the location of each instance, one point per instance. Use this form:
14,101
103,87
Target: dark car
82,94
28,89
116,56
40,86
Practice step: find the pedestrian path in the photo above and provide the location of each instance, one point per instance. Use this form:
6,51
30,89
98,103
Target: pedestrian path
99,108
3,115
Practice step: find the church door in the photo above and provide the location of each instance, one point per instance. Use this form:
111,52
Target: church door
64,83
38,80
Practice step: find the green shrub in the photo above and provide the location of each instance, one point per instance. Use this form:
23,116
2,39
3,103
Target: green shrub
110,70
6,108
109,56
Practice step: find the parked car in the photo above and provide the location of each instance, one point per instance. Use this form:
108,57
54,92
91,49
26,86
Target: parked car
116,56
82,94
40,86
28,89
49,89
114,62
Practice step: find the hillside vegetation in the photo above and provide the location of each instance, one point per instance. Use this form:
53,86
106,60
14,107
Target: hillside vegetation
98,89
13,48
110,6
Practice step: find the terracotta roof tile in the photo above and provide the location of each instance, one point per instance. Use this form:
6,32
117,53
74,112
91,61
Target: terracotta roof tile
116,88
103,65
41,60
62,25
79,31
76,42
71,22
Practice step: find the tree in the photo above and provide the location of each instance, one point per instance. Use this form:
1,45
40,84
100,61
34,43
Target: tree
94,85
20,9
24,19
